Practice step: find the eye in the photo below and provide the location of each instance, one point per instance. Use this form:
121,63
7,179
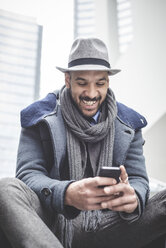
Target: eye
81,83
102,83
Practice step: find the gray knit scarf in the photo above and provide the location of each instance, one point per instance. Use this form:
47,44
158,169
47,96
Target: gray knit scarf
79,132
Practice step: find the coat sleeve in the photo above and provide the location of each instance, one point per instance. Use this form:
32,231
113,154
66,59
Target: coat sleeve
32,169
135,166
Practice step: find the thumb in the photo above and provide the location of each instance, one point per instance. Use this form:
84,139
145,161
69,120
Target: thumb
123,175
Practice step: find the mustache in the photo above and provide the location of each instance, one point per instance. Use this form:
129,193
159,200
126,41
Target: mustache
86,98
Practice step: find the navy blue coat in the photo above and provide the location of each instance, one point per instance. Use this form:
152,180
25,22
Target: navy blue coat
42,152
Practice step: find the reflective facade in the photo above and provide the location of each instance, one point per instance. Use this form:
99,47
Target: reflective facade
20,53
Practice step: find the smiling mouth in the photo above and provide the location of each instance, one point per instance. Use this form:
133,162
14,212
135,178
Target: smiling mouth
89,103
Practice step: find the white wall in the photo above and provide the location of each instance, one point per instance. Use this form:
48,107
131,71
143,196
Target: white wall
142,81
155,149
141,84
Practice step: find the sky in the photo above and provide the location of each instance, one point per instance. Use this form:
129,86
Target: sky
56,17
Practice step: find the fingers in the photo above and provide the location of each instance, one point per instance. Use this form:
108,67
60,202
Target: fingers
101,192
94,187
86,193
98,200
123,175
128,208
119,202
100,181
121,187
126,201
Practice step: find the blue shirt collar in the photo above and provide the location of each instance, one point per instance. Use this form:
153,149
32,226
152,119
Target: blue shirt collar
95,118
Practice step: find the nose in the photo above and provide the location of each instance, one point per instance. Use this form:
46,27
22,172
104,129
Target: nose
91,91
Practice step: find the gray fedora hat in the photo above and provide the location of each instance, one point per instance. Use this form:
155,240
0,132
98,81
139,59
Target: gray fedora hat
88,54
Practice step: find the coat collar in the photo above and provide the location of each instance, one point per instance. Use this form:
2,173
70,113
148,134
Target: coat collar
38,110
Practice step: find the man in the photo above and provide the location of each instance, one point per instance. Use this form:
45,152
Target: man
59,199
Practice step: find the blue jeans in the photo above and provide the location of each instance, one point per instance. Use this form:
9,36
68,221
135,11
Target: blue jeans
24,223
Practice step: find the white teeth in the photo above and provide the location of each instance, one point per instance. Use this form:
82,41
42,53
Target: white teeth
89,103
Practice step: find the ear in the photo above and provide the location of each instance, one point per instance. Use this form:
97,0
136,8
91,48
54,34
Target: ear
108,82
67,79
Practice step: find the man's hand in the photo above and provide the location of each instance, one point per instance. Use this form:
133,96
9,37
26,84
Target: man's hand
92,194
125,198
89,193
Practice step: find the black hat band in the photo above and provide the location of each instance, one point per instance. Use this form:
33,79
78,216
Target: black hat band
89,61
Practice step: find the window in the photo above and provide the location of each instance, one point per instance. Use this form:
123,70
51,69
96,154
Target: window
84,15
125,28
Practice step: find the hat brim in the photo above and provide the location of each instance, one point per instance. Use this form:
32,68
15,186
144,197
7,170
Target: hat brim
89,68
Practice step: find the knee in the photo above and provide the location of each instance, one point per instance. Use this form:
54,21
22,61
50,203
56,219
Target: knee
159,200
8,187
7,182
161,195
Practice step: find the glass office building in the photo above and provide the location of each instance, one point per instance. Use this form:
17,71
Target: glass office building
20,54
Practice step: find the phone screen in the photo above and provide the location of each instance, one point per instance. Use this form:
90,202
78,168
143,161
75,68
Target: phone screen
112,172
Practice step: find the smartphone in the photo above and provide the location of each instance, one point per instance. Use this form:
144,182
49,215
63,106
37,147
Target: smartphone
113,172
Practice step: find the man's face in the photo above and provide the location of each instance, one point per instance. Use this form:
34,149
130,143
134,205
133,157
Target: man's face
88,89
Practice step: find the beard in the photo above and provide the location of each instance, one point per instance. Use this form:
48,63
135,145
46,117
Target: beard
87,99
